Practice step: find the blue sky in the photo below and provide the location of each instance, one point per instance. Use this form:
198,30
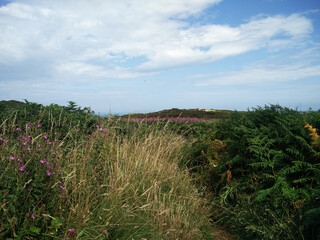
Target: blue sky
143,55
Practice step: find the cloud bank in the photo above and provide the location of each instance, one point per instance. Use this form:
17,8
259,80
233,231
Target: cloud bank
123,39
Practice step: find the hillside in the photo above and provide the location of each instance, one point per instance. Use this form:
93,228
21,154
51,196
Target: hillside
184,113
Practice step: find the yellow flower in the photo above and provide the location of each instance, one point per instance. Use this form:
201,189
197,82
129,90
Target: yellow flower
315,136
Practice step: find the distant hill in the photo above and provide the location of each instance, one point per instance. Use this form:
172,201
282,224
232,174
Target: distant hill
184,113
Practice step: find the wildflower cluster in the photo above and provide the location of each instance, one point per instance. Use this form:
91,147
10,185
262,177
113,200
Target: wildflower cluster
31,178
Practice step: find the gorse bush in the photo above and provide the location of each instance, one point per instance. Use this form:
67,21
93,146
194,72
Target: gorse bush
95,182
267,175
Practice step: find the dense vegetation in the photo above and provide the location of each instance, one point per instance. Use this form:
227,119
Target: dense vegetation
263,169
67,173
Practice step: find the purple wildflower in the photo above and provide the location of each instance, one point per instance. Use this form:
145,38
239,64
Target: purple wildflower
71,231
19,129
62,187
32,216
48,173
11,158
21,168
42,161
24,143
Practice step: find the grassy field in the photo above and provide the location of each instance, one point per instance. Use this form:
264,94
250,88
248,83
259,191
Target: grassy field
66,173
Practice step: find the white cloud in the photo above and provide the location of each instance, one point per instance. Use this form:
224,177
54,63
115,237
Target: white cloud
287,67
97,38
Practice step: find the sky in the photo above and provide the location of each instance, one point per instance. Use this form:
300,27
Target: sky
132,56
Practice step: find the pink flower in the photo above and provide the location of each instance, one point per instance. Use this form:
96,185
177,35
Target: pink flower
11,158
32,216
19,129
18,138
42,161
24,143
48,174
39,125
71,231
62,187
21,168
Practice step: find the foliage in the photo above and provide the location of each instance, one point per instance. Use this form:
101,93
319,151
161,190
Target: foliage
52,117
269,169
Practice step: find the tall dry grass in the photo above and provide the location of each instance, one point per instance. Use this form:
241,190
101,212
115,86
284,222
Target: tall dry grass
130,187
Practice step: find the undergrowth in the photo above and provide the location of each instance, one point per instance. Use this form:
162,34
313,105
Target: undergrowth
63,177
263,169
